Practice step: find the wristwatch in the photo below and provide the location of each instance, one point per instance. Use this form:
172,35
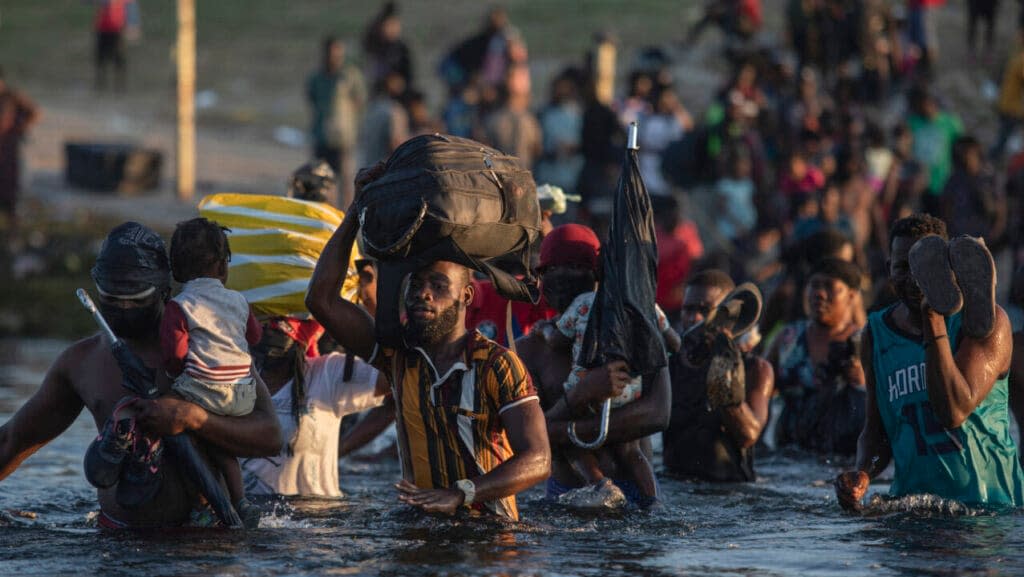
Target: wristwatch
468,489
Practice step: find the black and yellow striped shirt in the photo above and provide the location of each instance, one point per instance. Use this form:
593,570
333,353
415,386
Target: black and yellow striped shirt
449,426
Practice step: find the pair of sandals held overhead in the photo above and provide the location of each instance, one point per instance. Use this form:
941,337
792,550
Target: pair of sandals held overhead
955,276
712,342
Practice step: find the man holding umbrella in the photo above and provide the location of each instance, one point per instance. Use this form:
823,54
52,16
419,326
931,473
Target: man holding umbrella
621,340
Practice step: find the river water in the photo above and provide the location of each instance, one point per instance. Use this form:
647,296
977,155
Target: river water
787,523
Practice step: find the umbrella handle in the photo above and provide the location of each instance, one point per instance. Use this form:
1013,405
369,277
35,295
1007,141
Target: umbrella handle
83,296
631,140
602,434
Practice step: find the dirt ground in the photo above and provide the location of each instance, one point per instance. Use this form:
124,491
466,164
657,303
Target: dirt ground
252,61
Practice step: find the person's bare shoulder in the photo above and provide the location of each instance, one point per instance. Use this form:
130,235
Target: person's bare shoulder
760,374
537,357
530,346
80,358
758,366
80,351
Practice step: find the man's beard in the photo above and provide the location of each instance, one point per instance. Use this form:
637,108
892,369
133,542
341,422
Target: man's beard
433,331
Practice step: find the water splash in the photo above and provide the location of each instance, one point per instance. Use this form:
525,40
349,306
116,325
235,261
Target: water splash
282,516
923,504
599,496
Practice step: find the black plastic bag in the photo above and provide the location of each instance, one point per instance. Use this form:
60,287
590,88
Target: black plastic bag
622,324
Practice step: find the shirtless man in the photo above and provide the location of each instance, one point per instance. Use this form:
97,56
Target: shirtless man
570,262
937,386
713,444
132,276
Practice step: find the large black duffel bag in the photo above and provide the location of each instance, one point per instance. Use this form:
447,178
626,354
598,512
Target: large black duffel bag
448,198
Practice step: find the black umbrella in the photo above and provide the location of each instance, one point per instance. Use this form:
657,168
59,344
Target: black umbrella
140,380
622,324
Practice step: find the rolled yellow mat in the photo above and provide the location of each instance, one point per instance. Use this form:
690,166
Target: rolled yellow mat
275,243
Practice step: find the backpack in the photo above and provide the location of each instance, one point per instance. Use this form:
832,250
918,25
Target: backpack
448,198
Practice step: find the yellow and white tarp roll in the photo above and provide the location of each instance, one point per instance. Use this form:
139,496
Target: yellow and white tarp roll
275,243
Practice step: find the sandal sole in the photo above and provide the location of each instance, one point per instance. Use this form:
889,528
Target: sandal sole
930,267
739,311
975,273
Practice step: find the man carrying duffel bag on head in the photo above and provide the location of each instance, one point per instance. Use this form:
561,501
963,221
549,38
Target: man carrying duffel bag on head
470,426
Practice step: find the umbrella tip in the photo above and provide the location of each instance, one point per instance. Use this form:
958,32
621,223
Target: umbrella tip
631,142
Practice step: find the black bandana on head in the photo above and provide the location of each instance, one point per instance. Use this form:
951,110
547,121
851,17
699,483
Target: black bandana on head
132,260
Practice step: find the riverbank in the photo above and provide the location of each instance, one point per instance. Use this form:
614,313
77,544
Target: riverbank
251,67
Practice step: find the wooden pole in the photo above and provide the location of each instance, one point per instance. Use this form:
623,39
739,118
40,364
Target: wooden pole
604,72
186,61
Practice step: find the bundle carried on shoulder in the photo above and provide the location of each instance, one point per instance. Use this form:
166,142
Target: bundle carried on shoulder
448,198
275,243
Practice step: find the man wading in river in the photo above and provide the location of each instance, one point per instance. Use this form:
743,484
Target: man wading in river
937,377
570,258
471,432
132,275
705,442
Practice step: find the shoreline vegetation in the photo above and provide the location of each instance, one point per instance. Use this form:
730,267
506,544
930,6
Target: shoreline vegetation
47,260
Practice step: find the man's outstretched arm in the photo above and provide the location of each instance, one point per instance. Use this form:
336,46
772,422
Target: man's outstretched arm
873,449
529,465
369,428
49,412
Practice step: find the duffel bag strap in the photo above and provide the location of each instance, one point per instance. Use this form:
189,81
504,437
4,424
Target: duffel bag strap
388,324
508,285
509,337
505,283
403,241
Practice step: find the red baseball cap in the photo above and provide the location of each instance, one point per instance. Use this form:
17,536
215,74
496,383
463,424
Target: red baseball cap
570,245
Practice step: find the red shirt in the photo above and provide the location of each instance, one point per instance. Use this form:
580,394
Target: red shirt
487,313
812,181
111,16
752,10
674,262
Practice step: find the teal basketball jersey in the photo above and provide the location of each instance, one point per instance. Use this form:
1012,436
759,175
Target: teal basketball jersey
975,463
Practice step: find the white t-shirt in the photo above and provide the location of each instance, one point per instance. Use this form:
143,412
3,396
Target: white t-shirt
313,468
